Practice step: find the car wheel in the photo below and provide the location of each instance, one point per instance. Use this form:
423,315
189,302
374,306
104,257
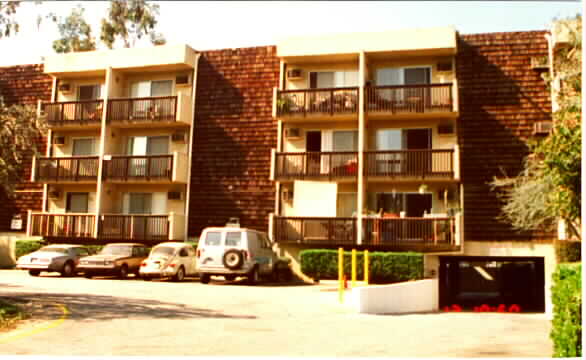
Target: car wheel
204,278
68,269
180,275
123,272
233,259
230,277
254,276
34,272
88,275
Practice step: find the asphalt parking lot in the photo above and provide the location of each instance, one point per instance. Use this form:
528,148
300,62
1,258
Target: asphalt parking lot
105,316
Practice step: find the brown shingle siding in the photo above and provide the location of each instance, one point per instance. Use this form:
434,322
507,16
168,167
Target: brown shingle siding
501,97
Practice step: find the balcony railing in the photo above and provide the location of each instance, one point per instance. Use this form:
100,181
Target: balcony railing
409,98
141,228
57,169
326,165
147,109
331,101
150,167
409,231
410,163
74,112
314,230
62,225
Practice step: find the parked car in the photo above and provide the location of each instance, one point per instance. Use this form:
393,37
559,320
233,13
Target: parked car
118,259
233,251
62,258
169,259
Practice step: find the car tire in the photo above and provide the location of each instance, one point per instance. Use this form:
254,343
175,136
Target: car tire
204,278
88,275
230,277
233,259
123,272
180,274
34,272
68,269
254,276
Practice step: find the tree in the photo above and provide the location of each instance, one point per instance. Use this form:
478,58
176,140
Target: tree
549,187
8,24
19,127
76,34
129,21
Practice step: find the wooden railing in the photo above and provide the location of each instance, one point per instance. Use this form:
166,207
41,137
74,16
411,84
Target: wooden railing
410,163
74,112
141,228
409,231
330,165
314,230
147,109
149,167
318,101
409,98
55,169
63,225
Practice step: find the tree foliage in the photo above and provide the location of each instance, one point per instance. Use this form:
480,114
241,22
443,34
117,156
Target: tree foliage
76,33
129,21
549,187
19,128
8,24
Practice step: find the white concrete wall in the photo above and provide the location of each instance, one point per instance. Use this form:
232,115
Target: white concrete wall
7,248
407,297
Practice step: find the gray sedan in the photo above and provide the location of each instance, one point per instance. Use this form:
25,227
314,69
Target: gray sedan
61,258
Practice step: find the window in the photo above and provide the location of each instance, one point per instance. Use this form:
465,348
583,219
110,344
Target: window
345,140
346,206
139,203
89,92
330,79
148,145
213,238
151,88
77,202
81,252
403,76
84,147
233,238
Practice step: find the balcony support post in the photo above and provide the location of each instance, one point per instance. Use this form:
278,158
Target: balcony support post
103,139
361,147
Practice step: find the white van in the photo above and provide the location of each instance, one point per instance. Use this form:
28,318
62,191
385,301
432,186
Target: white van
232,252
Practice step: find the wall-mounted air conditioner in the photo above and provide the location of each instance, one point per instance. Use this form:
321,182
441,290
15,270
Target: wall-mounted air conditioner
65,88
294,74
178,137
59,140
183,80
293,133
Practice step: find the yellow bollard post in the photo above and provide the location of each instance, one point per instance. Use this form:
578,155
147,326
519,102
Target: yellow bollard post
353,268
366,266
341,274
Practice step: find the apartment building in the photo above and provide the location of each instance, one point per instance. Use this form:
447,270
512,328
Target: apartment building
117,164
388,141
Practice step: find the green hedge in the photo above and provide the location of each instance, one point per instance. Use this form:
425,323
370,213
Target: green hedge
23,247
568,251
566,331
385,267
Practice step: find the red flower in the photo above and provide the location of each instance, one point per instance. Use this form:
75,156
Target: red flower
514,308
477,309
502,308
484,308
456,308
446,308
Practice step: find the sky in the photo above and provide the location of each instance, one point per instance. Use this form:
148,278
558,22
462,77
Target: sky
218,25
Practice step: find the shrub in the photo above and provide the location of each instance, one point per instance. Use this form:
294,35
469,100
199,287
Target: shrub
566,331
8,313
385,267
23,247
568,251
94,249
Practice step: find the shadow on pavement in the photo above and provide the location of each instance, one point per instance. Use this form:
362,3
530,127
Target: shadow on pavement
103,308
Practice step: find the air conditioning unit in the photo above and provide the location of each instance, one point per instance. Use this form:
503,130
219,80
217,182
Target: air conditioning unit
287,195
542,127
294,74
178,137
444,66
65,88
182,80
174,195
54,194
59,140
447,129
293,133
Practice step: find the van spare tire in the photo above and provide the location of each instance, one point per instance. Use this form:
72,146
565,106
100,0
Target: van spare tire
233,259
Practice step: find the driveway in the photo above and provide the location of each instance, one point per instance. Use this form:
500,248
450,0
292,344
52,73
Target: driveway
77,316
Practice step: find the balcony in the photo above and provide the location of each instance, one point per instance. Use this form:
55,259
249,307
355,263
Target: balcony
315,231
411,164
148,168
163,110
316,165
78,226
417,100
79,169
141,228
74,114
315,104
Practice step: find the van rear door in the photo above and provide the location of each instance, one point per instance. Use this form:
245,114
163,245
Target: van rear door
212,250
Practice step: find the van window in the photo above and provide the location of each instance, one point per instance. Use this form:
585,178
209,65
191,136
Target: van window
233,238
213,238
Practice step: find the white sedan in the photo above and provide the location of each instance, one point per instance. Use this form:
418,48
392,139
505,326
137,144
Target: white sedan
169,260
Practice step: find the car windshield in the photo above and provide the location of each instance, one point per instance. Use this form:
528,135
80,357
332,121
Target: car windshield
163,250
117,250
53,249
